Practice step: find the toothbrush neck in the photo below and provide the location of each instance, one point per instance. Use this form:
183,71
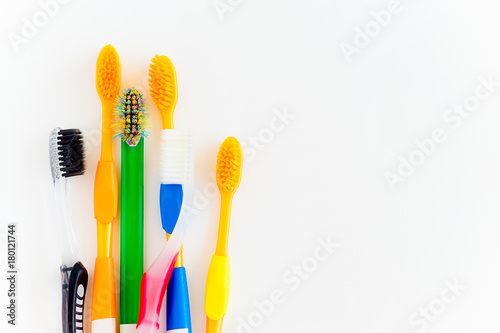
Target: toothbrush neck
104,232
225,215
107,134
167,120
70,252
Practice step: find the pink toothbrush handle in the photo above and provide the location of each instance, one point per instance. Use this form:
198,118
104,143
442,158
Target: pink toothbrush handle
153,287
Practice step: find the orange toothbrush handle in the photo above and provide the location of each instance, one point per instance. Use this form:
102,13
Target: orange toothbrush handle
107,132
214,326
103,314
103,297
105,192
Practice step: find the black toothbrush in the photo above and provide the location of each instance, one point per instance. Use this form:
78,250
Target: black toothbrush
66,160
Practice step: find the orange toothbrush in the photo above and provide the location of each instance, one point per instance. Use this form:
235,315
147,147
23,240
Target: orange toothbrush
103,314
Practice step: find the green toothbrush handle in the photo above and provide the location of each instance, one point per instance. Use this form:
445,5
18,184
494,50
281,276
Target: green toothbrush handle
131,231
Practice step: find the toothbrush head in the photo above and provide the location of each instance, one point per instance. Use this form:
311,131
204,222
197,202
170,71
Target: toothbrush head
130,120
163,88
229,165
108,73
66,153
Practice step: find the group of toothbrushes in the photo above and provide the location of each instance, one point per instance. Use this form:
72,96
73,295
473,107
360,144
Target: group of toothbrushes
124,116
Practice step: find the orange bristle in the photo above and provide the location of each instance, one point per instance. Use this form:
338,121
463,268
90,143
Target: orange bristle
229,164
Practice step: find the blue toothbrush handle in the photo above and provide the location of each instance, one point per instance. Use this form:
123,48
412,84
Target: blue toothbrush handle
178,312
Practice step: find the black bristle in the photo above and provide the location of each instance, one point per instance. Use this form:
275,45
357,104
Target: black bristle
70,147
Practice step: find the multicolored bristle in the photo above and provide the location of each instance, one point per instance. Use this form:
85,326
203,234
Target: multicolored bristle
130,119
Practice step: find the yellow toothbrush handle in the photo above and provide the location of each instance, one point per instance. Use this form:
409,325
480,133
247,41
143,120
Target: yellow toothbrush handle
217,292
217,287
225,215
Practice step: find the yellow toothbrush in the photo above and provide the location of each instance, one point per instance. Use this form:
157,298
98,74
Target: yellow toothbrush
228,176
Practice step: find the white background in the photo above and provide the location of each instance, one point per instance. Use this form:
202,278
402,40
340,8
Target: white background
321,175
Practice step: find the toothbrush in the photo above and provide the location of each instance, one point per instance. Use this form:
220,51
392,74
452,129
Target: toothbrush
103,316
66,160
228,176
130,121
163,89
177,167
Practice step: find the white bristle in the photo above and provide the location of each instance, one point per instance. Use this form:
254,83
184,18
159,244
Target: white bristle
176,156
54,154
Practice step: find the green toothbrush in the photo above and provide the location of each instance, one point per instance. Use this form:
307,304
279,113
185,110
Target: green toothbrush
130,122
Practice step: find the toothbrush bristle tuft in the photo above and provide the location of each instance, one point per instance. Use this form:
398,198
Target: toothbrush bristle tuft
229,164
176,157
108,73
130,119
67,153
163,83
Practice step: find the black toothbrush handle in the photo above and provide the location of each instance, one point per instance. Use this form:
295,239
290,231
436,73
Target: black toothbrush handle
74,284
